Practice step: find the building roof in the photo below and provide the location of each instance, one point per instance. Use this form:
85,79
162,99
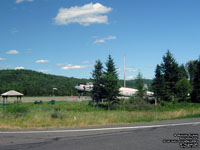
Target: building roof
12,93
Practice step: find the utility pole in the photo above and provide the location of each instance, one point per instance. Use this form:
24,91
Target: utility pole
124,73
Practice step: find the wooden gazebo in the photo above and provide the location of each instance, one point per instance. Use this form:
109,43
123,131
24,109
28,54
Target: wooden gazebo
11,93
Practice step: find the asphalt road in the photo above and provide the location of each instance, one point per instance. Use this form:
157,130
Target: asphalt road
144,136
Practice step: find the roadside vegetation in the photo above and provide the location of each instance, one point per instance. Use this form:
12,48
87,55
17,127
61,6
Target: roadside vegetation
174,82
85,114
176,95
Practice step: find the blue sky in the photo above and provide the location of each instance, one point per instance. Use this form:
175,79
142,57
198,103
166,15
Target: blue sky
66,37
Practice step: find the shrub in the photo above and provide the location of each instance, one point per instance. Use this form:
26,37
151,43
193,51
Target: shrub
57,115
139,103
133,103
57,109
16,108
163,103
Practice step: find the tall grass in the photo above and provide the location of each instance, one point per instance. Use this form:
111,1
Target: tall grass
80,114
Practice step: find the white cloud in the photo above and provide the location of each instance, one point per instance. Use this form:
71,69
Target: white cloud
19,68
103,40
60,64
20,1
2,58
111,38
151,66
43,70
85,62
131,77
94,37
70,66
84,15
12,52
99,41
28,51
5,66
41,61
131,69
14,30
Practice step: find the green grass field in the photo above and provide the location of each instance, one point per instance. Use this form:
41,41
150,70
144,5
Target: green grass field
80,114
28,99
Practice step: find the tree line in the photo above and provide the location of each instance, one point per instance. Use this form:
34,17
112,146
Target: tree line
174,82
32,83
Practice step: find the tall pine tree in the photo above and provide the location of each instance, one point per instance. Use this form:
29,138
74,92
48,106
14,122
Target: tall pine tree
158,83
97,78
192,67
140,85
182,73
196,84
170,70
184,88
111,82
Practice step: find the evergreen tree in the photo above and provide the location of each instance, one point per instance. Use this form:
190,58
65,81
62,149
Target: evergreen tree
110,67
111,82
182,72
158,83
182,92
191,67
184,88
171,75
140,85
97,74
196,84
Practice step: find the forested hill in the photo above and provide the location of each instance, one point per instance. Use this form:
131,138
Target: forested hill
32,83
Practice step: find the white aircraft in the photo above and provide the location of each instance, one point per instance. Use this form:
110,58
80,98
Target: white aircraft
127,92
82,87
124,91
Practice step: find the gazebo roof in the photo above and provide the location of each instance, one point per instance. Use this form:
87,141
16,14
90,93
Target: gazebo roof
12,93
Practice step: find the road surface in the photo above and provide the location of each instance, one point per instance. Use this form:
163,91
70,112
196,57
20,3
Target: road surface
143,136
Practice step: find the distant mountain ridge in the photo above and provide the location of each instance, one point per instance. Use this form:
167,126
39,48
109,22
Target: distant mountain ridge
33,83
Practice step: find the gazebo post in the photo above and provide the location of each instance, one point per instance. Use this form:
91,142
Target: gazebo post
3,100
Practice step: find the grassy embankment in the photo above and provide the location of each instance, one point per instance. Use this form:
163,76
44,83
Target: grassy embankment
75,114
